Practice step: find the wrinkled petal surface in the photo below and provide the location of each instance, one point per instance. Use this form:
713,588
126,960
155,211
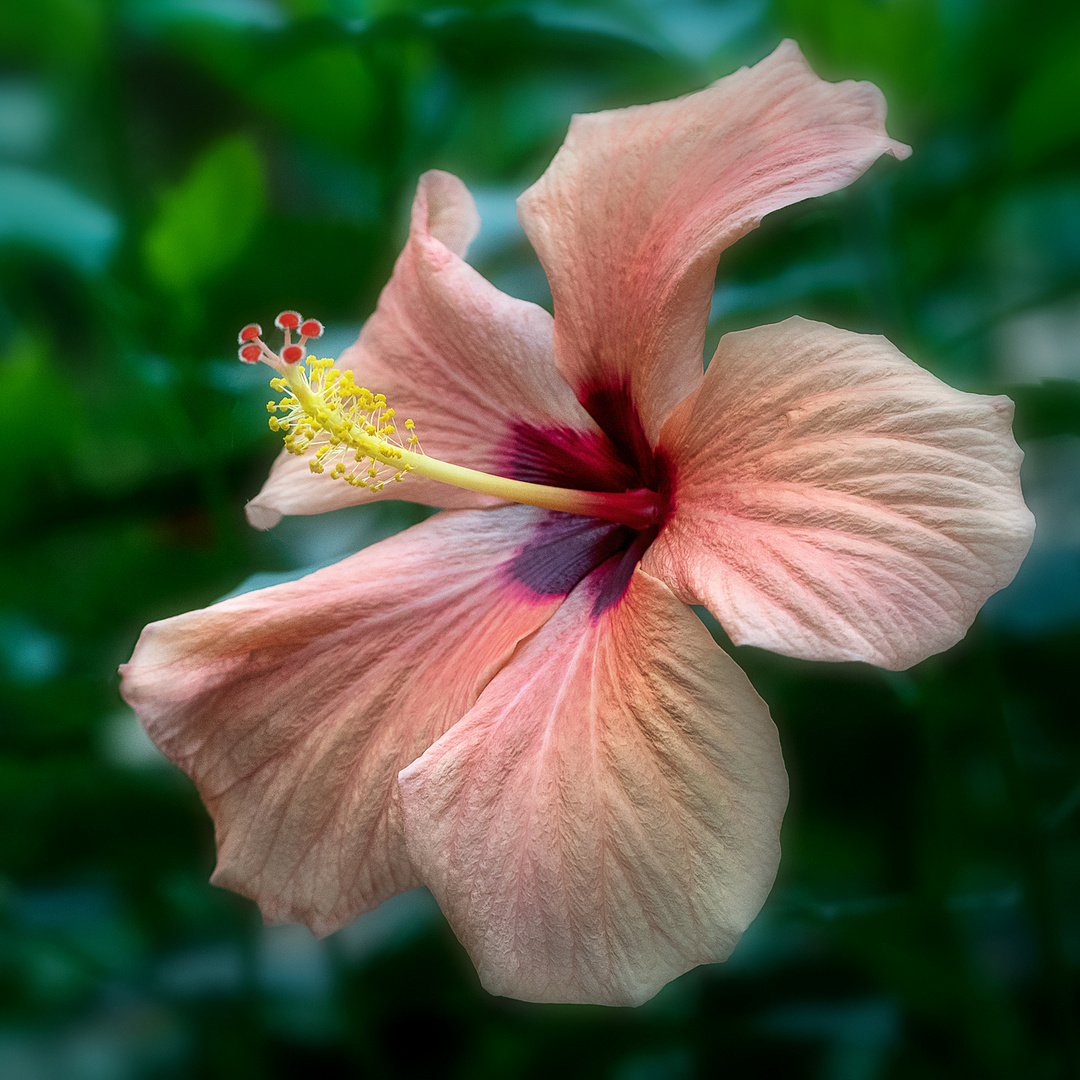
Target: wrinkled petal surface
834,501
607,816
470,365
294,707
632,214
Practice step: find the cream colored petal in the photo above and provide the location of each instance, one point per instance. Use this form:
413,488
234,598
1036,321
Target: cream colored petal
294,707
607,815
834,501
631,216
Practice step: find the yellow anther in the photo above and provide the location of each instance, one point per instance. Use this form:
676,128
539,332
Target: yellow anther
323,405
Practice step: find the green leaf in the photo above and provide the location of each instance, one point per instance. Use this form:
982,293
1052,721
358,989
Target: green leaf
1043,118
327,93
37,438
205,223
70,32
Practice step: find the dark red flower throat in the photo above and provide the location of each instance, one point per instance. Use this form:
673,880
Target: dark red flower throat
566,548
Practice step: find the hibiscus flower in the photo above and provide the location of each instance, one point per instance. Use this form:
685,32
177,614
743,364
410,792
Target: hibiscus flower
513,704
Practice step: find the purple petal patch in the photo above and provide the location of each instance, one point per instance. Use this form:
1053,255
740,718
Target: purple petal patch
564,549
611,579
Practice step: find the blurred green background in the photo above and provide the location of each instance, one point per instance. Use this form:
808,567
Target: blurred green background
171,169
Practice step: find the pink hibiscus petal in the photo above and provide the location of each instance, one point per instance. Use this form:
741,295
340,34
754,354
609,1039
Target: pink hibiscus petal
607,816
834,501
470,365
631,216
294,707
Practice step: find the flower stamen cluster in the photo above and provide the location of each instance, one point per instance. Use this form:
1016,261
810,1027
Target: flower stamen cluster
355,431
